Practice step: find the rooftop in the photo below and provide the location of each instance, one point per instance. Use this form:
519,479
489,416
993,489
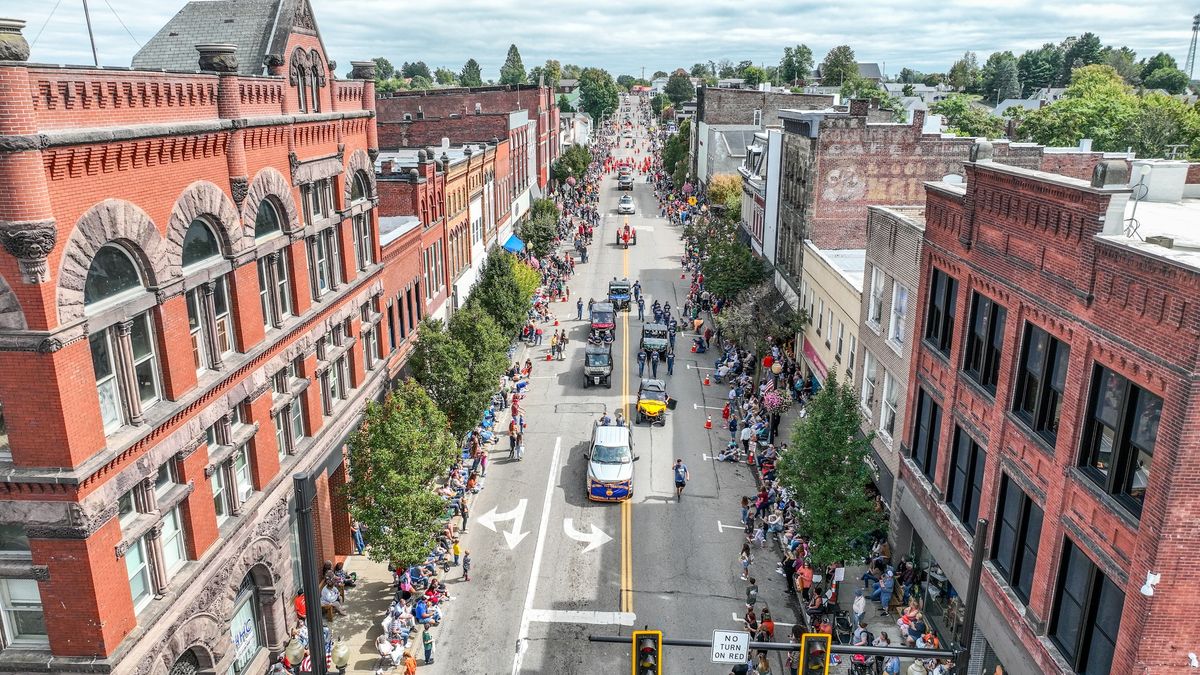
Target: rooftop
407,157
258,28
392,228
850,262
1178,221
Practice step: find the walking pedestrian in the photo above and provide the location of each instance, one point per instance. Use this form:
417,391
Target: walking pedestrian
579,309
745,509
682,476
788,567
752,594
859,608
745,558
356,531
746,439
641,303
466,563
465,512
654,363
641,359
671,362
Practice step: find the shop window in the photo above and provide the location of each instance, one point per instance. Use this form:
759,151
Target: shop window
939,319
1041,380
985,341
1119,436
1018,530
245,627
1087,613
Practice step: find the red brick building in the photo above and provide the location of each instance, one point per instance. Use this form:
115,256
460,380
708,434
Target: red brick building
1053,392
147,520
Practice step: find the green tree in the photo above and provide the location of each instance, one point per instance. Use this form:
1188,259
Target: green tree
861,87
552,71
598,95
439,363
1163,121
964,118
416,69
999,77
964,74
839,65
659,73
384,70
1156,62
909,90
726,69
1171,80
826,470
657,102
498,293
571,72
513,71
445,76
1097,105
796,65
751,319
699,70
1039,68
487,350
675,150
564,105
933,79
389,85
679,88
754,76
730,267
400,448
625,81
573,162
909,76
538,233
420,82
1124,61
1084,50
471,75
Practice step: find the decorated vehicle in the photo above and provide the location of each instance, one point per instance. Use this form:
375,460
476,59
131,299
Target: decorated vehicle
625,206
610,463
597,366
625,181
619,293
604,316
626,235
653,402
655,337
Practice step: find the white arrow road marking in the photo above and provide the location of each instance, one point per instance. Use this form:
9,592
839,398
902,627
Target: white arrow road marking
582,617
777,623
699,367
536,569
595,539
722,527
517,515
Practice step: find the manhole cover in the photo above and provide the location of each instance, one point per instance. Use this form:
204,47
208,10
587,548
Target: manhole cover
584,408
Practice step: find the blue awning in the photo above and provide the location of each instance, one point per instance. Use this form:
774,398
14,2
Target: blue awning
514,244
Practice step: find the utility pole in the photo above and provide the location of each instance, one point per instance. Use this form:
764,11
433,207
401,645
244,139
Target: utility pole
88,17
305,492
967,633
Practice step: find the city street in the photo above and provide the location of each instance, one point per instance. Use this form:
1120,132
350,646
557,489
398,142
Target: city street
550,566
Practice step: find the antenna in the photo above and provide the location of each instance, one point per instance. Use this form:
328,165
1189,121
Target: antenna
1190,66
88,17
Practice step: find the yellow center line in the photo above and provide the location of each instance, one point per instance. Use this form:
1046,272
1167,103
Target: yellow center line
626,599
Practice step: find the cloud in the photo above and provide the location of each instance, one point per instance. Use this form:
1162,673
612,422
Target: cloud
624,37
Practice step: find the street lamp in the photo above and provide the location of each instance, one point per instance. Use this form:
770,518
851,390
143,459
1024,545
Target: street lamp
305,491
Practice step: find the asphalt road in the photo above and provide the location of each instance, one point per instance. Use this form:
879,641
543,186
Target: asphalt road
558,567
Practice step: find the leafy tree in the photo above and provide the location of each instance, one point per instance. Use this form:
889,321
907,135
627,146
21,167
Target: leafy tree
1162,121
597,93
536,74
796,65
772,74
389,85
1039,68
384,70
1097,105
730,267
726,69
625,81
1157,62
909,90
543,207
571,72
439,363
740,68
399,450
497,292
1124,61
487,349
471,75
1171,80
564,105
964,74
726,189
552,71
574,161
445,76
513,71
934,79
754,76
751,320
675,150
998,77
963,118
659,73
839,65
826,471
679,88
861,87
656,104
909,76
1078,52
539,232
699,70
420,82
416,69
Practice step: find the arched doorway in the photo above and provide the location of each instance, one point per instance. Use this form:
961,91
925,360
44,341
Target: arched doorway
187,664
246,626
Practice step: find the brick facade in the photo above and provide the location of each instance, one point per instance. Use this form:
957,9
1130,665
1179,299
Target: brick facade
1029,243
118,170
737,106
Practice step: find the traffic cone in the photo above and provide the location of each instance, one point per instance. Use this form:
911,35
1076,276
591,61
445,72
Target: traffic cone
548,357
706,382
708,422
556,322
683,276
693,349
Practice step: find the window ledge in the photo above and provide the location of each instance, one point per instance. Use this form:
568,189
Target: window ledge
1111,503
875,327
896,346
1028,432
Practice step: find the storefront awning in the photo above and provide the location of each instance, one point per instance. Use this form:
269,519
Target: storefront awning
514,244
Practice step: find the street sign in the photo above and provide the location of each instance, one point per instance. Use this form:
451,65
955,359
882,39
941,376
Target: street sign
730,646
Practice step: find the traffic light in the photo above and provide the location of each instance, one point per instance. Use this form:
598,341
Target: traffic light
647,652
814,653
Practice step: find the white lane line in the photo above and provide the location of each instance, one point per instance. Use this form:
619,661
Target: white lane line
697,406
690,366
777,623
536,569
582,616
722,527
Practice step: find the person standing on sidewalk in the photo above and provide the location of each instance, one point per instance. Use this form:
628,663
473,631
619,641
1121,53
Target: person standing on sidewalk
579,309
752,594
788,567
641,303
356,531
465,512
466,562
682,476
427,642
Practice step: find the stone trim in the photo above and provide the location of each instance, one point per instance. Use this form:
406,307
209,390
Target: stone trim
360,161
42,342
307,171
30,242
14,569
204,201
82,524
269,182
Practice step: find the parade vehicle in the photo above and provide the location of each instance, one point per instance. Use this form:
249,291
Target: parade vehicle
653,402
627,235
604,317
610,463
625,182
597,365
625,206
619,293
654,338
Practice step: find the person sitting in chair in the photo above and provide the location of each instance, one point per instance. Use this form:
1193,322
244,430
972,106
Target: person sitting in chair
817,606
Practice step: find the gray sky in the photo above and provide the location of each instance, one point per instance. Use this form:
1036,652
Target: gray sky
662,35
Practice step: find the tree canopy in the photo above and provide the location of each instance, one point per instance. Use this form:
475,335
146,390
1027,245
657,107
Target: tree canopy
574,162
730,267
796,65
679,88
964,118
445,76
598,95
564,105
513,71
826,471
471,75
839,65
416,69
384,70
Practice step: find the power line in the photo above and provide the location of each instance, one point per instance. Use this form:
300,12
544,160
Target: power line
114,12
45,23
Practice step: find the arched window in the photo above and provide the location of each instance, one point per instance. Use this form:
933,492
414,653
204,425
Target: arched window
267,221
199,244
315,88
246,626
274,281
124,358
358,188
210,318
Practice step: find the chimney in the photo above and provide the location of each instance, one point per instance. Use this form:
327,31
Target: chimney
218,57
386,167
1085,145
445,144
420,113
1113,174
859,107
13,46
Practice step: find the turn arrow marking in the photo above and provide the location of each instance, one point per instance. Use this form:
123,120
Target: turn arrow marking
517,515
595,539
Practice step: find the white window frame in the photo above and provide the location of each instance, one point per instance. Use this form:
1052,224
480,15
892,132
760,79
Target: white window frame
897,324
173,540
220,497
363,250
243,476
875,299
139,550
869,383
12,607
887,408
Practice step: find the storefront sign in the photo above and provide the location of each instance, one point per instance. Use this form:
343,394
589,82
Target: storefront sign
814,361
245,635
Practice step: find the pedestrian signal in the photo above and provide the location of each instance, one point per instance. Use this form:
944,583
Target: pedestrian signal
814,653
647,652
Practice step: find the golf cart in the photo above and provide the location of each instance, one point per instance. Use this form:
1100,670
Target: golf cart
653,402
597,365
654,338
604,320
619,293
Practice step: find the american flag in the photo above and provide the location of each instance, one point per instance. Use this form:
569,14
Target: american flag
770,386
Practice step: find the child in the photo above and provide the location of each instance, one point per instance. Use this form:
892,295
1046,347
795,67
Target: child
457,550
760,535
427,642
466,564
745,560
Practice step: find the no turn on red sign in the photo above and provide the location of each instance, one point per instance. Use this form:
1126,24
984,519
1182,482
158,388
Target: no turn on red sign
730,646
